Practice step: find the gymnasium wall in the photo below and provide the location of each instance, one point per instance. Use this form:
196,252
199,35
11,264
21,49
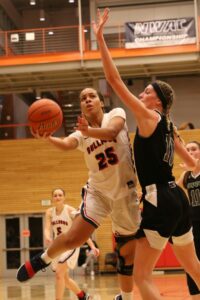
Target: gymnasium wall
31,168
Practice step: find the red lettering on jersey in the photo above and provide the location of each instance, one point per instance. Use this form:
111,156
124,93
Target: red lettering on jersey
59,222
98,143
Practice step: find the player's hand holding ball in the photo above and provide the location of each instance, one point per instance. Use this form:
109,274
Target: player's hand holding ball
44,118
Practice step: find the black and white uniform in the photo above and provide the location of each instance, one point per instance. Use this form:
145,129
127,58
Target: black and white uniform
110,189
165,206
61,223
192,184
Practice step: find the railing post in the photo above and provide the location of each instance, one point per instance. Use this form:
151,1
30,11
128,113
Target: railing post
80,31
83,38
6,43
119,36
43,41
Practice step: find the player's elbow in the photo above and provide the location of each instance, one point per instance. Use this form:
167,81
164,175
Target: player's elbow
113,133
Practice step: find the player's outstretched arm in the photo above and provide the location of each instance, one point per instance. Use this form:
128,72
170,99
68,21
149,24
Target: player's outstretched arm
68,143
111,72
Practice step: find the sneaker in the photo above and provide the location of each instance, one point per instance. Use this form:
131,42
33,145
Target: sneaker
28,270
118,297
86,297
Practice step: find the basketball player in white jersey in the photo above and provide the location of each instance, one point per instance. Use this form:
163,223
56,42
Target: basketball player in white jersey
58,219
110,190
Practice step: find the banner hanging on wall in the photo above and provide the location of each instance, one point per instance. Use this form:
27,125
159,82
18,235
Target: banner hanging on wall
160,33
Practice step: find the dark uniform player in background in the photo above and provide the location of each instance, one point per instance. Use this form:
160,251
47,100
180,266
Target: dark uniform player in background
191,182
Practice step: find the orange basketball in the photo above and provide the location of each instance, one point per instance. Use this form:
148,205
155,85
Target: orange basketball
45,116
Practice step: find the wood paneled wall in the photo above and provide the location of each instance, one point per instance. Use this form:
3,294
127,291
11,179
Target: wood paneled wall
31,168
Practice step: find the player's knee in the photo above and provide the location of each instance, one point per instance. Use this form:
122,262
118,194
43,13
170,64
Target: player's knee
67,281
140,275
124,256
138,278
124,269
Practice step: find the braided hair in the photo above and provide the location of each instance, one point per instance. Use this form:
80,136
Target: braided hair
166,95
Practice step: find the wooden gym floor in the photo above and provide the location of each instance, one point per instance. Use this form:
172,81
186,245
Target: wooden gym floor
102,287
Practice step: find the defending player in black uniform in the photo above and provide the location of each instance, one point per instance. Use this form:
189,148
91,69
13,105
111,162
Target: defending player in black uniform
191,182
166,208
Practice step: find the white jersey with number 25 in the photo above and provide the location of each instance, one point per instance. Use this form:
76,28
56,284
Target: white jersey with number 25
110,162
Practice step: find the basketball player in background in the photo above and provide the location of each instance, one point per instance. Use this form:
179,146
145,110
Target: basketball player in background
110,190
190,180
165,214
59,219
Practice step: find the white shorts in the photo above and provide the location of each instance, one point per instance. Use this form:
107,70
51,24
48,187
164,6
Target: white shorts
70,257
124,212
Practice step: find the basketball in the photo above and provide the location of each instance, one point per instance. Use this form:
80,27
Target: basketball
45,116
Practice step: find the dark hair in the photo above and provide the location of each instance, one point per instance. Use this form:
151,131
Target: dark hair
101,97
191,125
185,125
58,189
165,93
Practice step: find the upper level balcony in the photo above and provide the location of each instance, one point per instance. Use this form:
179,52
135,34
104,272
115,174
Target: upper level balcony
68,58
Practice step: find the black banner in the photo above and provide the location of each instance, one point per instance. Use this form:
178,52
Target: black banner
160,33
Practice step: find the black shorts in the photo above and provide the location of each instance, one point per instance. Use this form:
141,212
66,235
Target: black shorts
165,211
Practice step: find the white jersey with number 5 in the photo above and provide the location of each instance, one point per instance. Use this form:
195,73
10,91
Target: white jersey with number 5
62,223
110,163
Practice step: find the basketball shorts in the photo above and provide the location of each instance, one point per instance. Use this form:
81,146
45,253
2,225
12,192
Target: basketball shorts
70,257
124,212
165,216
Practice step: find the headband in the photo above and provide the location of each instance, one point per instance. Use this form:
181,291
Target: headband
160,94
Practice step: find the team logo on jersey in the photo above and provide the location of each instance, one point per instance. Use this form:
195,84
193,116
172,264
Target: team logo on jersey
98,143
62,222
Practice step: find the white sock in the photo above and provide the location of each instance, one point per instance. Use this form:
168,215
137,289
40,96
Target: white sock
46,258
127,296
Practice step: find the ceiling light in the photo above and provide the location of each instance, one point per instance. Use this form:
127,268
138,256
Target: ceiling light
68,105
71,1
37,94
32,2
42,16
50,32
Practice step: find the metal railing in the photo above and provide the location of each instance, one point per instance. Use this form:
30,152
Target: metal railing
55,40
58,40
